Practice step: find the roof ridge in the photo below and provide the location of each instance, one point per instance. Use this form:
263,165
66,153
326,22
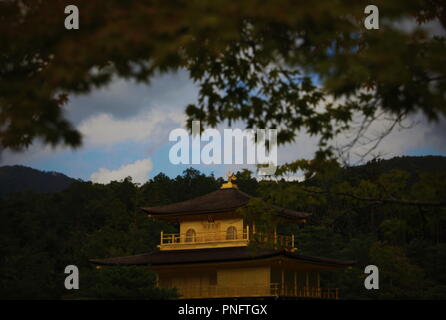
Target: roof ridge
218,201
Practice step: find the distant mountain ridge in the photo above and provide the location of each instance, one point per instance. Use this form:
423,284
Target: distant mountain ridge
411,164
20,178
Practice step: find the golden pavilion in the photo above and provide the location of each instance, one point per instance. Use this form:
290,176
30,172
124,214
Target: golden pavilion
211,256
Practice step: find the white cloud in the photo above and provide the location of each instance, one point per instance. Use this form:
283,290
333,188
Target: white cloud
138,170
106,130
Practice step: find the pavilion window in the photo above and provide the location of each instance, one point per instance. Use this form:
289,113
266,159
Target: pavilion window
231,233
190,235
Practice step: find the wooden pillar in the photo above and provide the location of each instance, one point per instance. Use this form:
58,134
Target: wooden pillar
283,282
295,283
308,283
161,240
247,232
275,239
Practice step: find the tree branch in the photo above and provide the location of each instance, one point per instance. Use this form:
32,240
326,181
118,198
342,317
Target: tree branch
381,200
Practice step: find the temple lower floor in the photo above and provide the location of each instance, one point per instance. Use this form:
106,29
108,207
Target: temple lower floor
297,284
236,272
267,278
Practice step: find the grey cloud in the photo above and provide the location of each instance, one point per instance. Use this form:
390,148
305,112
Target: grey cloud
436,136
124,99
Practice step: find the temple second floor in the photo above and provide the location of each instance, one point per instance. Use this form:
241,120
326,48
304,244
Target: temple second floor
198,234
213,221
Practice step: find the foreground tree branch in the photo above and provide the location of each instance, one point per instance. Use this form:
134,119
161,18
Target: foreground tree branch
290,65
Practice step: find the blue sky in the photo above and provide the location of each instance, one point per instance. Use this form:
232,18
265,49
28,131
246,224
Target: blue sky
126,128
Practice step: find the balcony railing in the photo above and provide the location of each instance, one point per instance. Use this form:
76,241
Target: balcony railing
274,290
171,241
183,240
306,292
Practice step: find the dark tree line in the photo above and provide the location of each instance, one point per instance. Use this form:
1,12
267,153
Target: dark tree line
42,233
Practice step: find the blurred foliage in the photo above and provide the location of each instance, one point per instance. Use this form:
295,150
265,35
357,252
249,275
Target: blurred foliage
290,65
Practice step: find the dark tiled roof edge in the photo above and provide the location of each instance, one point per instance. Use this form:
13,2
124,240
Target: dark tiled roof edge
177,257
